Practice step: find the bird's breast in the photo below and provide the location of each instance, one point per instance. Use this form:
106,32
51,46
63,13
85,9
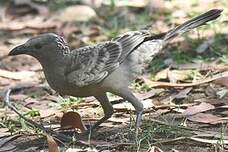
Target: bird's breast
57,81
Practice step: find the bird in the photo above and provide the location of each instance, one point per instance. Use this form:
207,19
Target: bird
108,66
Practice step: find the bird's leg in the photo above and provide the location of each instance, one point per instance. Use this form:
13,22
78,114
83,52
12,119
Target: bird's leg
126,94
138,119
107,107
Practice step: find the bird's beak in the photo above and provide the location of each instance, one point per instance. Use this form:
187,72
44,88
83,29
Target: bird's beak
21,49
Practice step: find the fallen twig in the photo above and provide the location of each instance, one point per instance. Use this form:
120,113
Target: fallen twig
113,145
59,136
201,140
168,84
169,140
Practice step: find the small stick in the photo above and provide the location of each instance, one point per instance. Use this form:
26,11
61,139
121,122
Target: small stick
32,123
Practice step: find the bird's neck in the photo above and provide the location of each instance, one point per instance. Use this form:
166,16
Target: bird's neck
54,64
54,68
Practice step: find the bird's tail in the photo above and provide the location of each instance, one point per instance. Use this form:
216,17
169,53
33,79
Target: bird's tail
193,23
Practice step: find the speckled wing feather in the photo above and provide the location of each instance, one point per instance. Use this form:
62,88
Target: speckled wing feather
129,41
91,64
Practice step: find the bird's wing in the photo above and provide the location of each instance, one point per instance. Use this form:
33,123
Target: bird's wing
129,41
91,64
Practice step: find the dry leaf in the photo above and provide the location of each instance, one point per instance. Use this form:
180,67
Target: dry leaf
76,13
210,141
222,93
72,120
202,107
179,110
201,66
16,75
44,113
204,118
5,143
132,3
18,97
4,132
120,120
52,145
222,81
149,94
220,120
179,75
33,25
75,150
154,149
122,107
7,148
199,82
126,106
158,6
163,74
148,103
93,3
182,94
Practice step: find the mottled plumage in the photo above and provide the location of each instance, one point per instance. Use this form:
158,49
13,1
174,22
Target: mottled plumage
106,67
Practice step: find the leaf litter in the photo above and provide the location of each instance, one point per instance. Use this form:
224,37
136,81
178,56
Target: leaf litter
176,87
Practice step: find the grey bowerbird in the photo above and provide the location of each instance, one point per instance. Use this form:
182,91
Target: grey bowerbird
105,67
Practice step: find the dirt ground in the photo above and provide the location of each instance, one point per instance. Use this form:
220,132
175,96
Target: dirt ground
185,92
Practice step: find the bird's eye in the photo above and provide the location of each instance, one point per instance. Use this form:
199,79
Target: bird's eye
38,46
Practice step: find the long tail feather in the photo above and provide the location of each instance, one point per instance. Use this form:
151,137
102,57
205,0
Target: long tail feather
193,23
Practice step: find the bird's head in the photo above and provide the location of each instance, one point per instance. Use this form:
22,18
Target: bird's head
42,46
